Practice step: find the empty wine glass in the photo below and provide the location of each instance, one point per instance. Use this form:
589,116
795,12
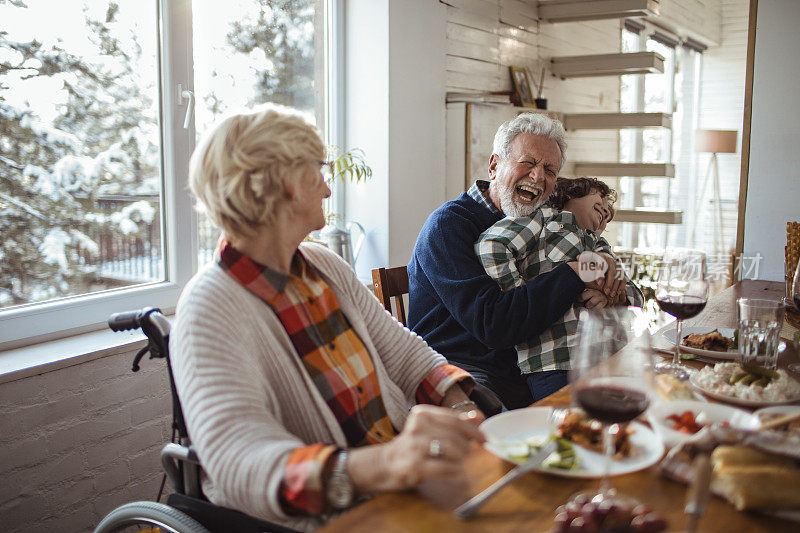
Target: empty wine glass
681,291
612,388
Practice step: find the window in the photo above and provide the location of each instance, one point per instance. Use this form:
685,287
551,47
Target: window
247,52
94,209
676,91
82,157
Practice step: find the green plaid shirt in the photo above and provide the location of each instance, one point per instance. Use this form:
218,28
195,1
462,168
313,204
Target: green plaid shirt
516,250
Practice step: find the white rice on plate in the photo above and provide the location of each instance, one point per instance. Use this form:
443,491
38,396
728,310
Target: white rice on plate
717,380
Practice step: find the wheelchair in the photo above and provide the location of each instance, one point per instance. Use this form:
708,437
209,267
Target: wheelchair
187,510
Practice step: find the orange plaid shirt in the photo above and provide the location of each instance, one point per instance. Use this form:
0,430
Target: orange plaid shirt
338,363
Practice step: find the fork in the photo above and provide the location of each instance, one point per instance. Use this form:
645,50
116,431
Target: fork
469,508
476,502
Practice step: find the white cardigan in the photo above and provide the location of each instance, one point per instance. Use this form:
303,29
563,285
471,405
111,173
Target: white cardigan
246,396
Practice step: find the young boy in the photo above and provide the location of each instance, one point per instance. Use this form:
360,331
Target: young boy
516,250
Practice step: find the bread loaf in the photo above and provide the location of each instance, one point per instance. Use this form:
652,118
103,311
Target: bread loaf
735,456
751,479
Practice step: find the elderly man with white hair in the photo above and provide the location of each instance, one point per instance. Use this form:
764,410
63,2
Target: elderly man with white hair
454,305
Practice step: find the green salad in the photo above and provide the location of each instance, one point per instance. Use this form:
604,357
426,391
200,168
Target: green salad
563,458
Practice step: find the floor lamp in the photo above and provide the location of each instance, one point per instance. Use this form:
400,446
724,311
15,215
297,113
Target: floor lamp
713,142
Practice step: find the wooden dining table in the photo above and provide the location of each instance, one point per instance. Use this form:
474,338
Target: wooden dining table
529,503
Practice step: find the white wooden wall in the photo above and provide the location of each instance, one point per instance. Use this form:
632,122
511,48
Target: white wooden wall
485,37
480,46
699,19
773,185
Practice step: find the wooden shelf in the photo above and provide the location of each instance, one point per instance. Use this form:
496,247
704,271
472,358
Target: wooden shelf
616,121
575,10
651,215
607,65
619,170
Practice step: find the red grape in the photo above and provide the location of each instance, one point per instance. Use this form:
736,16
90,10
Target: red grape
562,521
604,516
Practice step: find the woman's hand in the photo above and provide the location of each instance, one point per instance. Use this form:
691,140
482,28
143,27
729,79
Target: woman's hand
433,443
455,398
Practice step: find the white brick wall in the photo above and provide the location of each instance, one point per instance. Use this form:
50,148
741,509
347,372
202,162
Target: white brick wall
79,441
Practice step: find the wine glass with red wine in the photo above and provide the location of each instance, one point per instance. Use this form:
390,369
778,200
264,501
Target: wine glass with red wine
681,291
612,378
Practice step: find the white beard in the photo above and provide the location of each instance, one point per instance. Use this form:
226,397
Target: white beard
512,208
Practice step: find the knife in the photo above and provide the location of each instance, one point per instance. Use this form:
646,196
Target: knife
697,496
690,356
476,502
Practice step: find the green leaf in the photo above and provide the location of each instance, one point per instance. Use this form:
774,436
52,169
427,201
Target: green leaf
351,165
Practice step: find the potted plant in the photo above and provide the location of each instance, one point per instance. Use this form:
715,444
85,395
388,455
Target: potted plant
337,234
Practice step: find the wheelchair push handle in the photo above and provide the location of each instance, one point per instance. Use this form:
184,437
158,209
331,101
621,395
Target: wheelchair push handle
150,319
127,320
152,323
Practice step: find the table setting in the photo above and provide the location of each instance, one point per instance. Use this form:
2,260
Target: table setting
536,473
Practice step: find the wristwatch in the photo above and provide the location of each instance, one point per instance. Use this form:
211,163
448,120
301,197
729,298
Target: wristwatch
339,490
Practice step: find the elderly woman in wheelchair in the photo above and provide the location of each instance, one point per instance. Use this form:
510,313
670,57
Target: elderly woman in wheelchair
301,394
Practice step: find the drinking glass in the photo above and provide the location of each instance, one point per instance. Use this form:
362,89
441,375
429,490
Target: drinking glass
612,389
795,297
681,291
796,287
760,323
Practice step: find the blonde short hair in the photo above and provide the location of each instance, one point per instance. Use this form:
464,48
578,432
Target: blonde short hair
240,168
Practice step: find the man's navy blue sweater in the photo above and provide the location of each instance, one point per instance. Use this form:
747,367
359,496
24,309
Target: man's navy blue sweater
460,311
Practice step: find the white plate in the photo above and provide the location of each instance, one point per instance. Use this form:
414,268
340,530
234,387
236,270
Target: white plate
521,424
710,354
712,413
737,401
769,412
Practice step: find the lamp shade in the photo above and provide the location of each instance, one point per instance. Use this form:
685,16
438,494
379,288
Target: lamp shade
715,141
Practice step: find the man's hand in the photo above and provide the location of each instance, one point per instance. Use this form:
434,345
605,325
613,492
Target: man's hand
594,299
614,283
601,272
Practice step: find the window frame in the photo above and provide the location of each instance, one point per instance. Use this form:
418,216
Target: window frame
334,92
51,320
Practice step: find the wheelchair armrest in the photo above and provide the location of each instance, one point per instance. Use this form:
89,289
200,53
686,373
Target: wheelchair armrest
183,469
179,453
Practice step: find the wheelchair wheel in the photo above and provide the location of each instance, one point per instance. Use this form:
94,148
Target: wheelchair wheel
148,516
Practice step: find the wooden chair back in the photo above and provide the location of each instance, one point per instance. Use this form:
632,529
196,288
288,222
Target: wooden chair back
391,284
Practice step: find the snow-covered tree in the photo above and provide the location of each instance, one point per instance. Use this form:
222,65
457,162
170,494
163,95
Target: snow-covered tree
101,141
281,39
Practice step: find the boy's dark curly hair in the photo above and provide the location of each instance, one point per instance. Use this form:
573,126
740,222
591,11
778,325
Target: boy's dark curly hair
567,189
